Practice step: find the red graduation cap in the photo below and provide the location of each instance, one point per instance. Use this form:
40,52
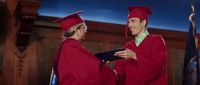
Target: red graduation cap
141,12
70,20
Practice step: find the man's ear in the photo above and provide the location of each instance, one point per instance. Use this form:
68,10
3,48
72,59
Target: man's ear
144,22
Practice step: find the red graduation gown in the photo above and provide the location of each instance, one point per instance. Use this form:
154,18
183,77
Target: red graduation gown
77,66
150,67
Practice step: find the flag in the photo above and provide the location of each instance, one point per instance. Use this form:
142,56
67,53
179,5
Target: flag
53,79
191,72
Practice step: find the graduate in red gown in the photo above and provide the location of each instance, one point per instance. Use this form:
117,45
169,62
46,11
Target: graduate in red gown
74,65
145,55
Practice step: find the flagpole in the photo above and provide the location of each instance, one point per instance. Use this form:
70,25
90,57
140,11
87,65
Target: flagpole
192,5
193,12
191,19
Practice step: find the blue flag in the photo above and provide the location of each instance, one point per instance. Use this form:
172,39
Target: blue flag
191,72
53,79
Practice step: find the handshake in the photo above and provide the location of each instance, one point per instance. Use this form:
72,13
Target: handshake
116,54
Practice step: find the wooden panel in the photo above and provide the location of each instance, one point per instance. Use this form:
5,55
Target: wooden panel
2,20
2,36
32,66
1,58
47,48
1,64
116,45
177,62
93,47
48,40
170,71
9,46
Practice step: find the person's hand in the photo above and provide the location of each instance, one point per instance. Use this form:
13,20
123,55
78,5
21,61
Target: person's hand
108,64
127,54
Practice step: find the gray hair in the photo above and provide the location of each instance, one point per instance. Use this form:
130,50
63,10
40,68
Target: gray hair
72,30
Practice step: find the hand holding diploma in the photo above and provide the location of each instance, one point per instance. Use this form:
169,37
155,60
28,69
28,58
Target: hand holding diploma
108,56
127,54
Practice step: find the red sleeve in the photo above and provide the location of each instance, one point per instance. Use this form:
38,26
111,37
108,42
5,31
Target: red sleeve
120,70
78,67
120,66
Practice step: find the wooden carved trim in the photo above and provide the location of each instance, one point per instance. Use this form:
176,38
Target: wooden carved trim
20,62
27,7
25,14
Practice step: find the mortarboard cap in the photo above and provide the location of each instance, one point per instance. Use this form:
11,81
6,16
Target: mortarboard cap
141,12
70,20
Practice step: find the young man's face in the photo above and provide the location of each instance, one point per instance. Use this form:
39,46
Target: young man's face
136,26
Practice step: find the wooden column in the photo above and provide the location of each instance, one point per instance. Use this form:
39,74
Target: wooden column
170,73
2,36
19,51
